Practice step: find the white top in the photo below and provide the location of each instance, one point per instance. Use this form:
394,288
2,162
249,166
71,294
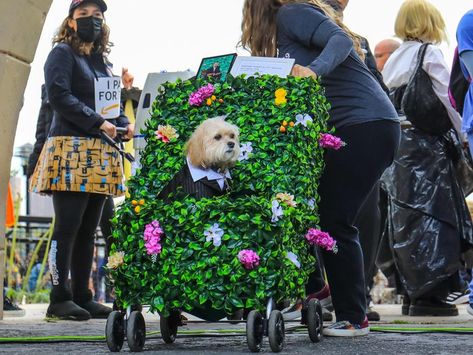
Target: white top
401,65
198,173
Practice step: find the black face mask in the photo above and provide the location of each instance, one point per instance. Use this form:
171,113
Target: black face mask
89,28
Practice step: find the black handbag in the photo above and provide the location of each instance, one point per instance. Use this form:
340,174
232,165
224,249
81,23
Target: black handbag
421,105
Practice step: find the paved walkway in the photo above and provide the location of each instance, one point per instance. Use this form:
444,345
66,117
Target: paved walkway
33,324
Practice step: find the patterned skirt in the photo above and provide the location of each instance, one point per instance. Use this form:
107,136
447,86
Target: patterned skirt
79,164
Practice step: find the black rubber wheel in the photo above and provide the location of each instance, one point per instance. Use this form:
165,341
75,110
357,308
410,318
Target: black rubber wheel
136,331
115,331
276,332
314,320
168,326
254,331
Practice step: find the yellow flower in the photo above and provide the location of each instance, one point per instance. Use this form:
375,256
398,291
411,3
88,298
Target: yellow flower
286,199
115,260
134,203
166,133
137,209
142,202
280,93
282,129
280,100
291,124
213,97
209,101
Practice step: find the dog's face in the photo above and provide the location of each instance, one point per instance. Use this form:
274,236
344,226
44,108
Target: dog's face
215,143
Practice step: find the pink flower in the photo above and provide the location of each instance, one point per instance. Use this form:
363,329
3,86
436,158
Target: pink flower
322,239
329,141
249,259
198,97
152,236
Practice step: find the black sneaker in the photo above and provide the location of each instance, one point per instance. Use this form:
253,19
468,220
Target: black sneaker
372,315
96,310
10,309
67,310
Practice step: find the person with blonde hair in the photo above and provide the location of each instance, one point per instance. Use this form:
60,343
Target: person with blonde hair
323,47
429,223
76,165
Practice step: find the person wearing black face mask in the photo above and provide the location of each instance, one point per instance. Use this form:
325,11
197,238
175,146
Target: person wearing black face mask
76,166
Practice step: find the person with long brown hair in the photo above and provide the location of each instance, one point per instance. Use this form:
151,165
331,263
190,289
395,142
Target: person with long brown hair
76,166
323,47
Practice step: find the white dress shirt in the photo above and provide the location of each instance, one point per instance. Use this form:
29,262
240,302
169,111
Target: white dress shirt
401,65
198,173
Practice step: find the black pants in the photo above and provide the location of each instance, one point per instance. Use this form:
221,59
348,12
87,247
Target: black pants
349,176
369,224
72,246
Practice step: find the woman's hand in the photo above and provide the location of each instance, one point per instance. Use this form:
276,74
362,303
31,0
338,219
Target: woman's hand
303,72
131,131
109,129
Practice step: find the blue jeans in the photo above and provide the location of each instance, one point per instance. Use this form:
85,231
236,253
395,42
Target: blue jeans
471,291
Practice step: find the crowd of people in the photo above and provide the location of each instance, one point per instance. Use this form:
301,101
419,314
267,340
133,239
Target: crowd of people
391,198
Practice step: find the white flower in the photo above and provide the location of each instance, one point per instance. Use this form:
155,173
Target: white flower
245,150
277,211
293,257
303,120
214,234
115,260
311,203
286,199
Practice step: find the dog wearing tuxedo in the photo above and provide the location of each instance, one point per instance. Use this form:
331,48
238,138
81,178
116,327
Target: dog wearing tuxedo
212,149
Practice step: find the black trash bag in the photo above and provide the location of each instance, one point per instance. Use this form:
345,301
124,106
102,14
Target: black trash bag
428,222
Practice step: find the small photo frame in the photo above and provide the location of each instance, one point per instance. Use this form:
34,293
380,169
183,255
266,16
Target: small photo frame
216,67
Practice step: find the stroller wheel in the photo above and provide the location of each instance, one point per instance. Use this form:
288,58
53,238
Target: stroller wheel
276,332
169,326
136,331
254,331
115,331
314,320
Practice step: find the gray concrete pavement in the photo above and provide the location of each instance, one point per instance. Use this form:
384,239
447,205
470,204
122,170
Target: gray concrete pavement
33,324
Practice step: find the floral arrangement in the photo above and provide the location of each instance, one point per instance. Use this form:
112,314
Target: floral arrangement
225,252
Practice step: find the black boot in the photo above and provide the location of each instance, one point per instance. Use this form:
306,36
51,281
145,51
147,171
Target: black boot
62,307
432,307
96,310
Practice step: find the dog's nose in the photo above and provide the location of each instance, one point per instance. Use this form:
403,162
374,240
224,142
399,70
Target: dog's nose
231,144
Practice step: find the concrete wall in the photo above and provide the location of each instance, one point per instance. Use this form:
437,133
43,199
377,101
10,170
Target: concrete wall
21,25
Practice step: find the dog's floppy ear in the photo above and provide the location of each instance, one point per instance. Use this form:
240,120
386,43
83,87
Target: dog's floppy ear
194,148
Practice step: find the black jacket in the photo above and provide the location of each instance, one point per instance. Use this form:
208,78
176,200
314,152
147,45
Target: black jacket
70,80
371,64
43,125
182,184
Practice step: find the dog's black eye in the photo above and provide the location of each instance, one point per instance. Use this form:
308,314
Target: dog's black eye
218,137
232,135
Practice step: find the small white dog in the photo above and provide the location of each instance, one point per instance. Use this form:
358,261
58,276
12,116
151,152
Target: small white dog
214,144
210,151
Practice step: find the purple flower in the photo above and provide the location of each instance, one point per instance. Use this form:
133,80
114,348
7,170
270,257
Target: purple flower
322,239
249,259
152,236
329,141
198,97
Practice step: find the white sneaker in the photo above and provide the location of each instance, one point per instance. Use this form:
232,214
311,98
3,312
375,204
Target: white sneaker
469,309
458,297
347,329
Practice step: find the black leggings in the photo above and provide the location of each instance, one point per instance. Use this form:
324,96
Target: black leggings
349,176
72,246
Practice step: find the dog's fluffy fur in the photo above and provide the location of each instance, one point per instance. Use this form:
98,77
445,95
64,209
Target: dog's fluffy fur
214,144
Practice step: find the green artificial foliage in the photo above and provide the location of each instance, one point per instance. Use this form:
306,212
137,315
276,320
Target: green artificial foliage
190,272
